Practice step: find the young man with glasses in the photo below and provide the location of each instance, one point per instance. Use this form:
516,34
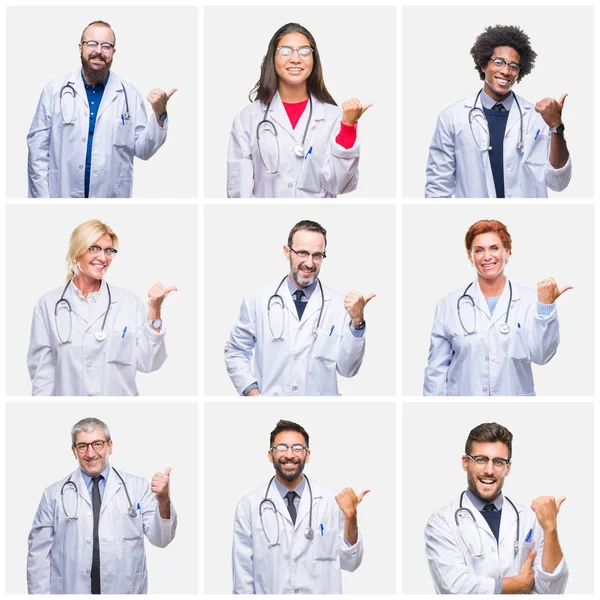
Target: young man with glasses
495,144
483,543
88,532
291,535
292,339
89,125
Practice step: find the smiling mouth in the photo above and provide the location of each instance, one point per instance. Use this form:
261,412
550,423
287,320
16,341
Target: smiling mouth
487,481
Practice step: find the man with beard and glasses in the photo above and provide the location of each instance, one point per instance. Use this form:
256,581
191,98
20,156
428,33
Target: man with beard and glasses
280,544
89,125
292,338
482,543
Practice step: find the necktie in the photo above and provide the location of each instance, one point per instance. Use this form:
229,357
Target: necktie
492,516
300,306
499,107
96,504
291,507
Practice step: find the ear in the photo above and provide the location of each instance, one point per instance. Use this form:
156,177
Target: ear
270,454
470,257
286,251
74,452
110,447
508,469
307,456
465,463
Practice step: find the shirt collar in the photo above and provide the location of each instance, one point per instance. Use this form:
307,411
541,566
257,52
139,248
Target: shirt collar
299,489
479,504
87,86
92,297
307,290
488,102
87,478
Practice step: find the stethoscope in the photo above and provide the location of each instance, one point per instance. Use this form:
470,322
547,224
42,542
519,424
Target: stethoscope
476,114
504,328
309,532
298,148
463,514
99,335
70,90
279,302
71,484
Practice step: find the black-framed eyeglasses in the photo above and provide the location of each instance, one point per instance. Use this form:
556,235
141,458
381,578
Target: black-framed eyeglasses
296,448
482,461
287,51
304,254
108,252
82,447
500,63
105,46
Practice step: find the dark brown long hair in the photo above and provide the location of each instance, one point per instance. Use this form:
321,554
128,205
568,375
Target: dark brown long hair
268,83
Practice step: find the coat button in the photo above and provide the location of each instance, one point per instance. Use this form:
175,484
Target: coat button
487,358
87,572
294,388
89,541
291,185
88,365
485,389
83,139
81,166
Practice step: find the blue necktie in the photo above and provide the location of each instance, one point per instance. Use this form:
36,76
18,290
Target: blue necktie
492,516
499,107
300,306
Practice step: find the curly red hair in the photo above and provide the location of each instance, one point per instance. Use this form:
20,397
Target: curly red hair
488,226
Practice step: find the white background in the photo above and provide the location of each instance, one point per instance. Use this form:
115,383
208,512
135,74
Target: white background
357,46
38,444
438,71
36,264
342,455
244,253
552,456
156,47
555,241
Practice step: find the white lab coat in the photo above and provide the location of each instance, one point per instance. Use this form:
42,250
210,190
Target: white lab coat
488,363
299,364
296,565
455,571
329,170
87,367
57,151
59,560
456,167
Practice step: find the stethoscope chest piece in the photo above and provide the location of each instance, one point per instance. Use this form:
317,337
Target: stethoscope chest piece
132,512
299,150
309,533
100,335
504,328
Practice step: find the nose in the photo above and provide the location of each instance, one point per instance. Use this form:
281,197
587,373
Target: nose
90,452
295,57
488,469
289,453
309,262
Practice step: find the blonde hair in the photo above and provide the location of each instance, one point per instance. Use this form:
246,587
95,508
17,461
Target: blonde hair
84,236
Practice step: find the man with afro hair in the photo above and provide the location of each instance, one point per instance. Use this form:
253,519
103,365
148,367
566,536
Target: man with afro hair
495,144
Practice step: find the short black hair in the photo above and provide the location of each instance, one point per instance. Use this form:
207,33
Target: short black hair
489,432
283,425
503,35
306,226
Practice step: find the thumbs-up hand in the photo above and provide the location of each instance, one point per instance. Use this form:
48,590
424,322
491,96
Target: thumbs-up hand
160,485
546,510
551,110
354,303
158,100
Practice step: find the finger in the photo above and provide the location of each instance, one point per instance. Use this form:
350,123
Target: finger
168,471
171,289
362,495
562,100
567,287
365,107
530,557
559,503
169,94
369,297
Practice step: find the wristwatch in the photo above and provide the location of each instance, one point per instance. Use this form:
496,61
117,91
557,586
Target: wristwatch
156,323
163,117
360,326
560,130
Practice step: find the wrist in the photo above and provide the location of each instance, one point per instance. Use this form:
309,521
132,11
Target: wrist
153,313
358,324
163,501
350,515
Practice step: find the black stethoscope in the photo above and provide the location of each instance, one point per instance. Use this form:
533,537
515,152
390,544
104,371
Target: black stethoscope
70,90
479,112
298,148
309,532
462,513
279,302
69,483
99,335
504,328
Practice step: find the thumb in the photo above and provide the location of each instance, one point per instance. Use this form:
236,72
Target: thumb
369,297
365,107
562,100
169,94
171,289
168,471
530,557
362,495
561,292
559,503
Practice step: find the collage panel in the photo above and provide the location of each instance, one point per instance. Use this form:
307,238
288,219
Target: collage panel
101,514
72,332
496,335
519,521
337,337
345,543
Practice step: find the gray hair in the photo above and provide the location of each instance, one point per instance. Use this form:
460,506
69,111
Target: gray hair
89,424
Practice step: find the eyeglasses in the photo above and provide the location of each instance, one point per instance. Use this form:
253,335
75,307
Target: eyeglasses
108,252
296,448
82,447
304,254
104,46
483,461
500,63
304,52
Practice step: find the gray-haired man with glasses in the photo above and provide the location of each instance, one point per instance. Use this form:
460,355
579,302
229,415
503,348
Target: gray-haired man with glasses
90,124
293,338
482,542
88,532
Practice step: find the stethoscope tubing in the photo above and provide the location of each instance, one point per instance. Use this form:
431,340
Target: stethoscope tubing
504,328
69,86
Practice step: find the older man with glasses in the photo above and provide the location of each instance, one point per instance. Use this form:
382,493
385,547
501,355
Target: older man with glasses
88,532
89,125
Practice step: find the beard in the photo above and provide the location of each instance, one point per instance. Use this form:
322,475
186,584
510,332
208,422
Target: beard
94,73
303,278
289,475
472,485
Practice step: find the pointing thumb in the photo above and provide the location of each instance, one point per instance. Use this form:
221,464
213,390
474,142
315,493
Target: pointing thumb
168,471
369,297
562,100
